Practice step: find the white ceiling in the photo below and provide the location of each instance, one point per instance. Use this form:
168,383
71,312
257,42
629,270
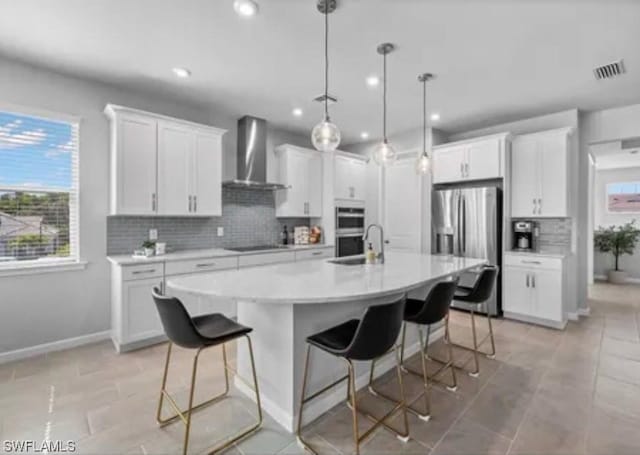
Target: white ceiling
495,60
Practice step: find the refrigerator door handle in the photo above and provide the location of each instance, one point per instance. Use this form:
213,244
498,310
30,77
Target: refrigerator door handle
464,223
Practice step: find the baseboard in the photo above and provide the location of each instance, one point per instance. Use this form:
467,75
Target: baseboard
584,311
560,325
604,278
321,405
60,345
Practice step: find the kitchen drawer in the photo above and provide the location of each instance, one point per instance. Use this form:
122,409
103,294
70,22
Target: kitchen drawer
201,265
314,253
142,271
266,258
533,261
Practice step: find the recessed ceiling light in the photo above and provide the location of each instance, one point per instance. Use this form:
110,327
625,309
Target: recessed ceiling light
373,81
297,112
364,135
181,72
435,117
245,8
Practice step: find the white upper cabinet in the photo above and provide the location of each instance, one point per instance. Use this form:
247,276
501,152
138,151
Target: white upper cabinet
175,152
133,162
476,159
163,166
301,171
350,178
540,174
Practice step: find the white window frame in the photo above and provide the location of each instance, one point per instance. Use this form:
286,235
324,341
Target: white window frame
73,261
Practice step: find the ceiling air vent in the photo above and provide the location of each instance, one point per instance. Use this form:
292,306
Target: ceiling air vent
609,71
330,99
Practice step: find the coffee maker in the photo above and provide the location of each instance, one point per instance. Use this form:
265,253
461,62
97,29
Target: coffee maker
525,235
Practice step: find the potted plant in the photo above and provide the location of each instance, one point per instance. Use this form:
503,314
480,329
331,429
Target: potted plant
149,248
617,240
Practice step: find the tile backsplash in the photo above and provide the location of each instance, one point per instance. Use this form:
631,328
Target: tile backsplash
248,218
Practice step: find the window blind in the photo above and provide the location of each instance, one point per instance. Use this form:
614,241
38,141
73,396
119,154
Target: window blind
38,188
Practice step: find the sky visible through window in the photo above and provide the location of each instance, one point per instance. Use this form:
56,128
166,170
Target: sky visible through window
35,153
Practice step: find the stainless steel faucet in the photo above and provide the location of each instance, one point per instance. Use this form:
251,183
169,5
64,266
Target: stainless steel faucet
365,237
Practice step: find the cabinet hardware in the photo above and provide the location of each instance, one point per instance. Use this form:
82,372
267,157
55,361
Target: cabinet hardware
190,203
140,272
539,206
153,202
461,169
534,206
532,262
533,281
527,280
316,253
203,265
195,203
466,169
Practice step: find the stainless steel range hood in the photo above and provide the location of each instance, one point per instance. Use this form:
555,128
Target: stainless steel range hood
252,156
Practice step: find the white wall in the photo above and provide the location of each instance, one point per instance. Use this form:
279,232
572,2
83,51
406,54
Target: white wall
37,309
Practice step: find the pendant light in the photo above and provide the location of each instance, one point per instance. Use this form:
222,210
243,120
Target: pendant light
326,135
423,163
384,153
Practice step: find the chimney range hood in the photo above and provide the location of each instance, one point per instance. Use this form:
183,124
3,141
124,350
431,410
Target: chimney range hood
252,156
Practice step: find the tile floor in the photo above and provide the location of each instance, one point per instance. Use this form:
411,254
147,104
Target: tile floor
547,392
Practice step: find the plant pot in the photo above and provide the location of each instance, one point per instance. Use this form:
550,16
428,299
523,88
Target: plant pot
148,252
617,276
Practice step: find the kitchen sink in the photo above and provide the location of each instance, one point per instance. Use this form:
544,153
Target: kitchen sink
350,261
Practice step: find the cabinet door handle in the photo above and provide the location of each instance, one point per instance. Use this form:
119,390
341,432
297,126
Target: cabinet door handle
461,169
532,262
195,203
189,203
316,253
203,265
534,206
140,272
533,281
466,169
539,206
153,202
527,280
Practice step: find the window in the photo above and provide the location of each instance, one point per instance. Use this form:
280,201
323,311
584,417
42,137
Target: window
623,197
38,189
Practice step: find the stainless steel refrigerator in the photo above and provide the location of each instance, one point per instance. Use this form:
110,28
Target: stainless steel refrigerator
467,221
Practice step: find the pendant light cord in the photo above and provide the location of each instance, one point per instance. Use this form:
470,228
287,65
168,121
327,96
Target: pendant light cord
424,117
326,60
384,97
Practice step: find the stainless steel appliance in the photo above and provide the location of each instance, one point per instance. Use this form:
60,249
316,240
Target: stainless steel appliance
467,221
525,235
349,230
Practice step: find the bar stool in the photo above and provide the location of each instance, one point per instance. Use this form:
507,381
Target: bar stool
432,310
200,332
369,338
477,296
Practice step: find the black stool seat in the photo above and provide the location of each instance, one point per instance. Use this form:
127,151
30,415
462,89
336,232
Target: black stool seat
463,293
336,339
216,328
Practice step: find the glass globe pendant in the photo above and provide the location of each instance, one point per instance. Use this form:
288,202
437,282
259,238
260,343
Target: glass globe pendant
325,136
384,154
423,163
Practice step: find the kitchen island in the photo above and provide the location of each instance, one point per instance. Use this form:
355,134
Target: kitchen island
285,303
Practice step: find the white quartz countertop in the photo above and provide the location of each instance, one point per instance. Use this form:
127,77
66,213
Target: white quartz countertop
542,253
321,281
127,259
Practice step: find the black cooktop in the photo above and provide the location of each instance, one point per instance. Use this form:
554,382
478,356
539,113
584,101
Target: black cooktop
243,249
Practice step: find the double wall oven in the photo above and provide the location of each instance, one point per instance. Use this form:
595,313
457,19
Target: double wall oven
349,230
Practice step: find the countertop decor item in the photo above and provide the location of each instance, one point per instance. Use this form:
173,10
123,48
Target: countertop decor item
315,235
384,153
326,135
423,163
301,235
149,248
617,240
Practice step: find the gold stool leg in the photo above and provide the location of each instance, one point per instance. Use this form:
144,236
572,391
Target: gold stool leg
354,410
454,383
493,343
164,384
190,408
404,437
301,441
475,373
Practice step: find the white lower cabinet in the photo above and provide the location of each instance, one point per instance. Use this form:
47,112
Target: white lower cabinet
134,318
534,290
